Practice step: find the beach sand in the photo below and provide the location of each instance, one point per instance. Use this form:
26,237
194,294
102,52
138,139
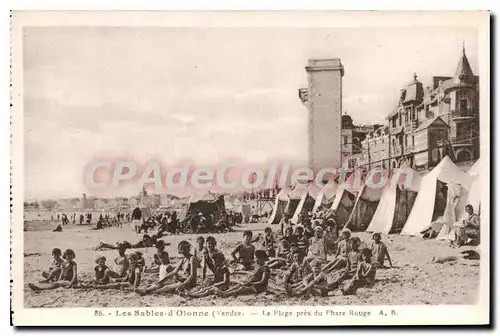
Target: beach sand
414,279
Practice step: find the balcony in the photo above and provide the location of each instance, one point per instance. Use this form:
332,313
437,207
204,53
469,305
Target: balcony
409,149
304,95
461,142
396,151
411,125
463,115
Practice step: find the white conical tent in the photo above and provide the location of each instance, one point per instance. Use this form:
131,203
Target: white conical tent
294,198
421,215
475,169
364,208
396,202
326,195
307,201
279,206
342,205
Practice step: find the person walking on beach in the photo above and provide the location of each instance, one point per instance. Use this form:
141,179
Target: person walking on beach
137,219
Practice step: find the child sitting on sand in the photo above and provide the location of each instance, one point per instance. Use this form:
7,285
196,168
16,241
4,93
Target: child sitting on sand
364,276
317,247
208,256
101,271
122,262
133,277
289,236
243,254
157,257
220,281
284,249
351,266
67,277
295,275
302,241
200,248
284,260
379,251
315,283
269,243
342,253
256,283
183,277
55,267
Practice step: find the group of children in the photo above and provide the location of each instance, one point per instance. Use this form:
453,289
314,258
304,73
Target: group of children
299,266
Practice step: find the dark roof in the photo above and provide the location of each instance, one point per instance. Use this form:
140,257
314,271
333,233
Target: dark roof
397,130
463,67
429,122
414,91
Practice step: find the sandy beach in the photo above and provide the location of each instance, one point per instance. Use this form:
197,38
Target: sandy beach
415,279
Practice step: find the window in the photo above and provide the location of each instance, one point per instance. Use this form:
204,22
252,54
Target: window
413,140
463,105
345,140
394,122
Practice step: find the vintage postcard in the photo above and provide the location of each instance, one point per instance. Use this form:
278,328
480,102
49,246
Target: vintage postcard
250,168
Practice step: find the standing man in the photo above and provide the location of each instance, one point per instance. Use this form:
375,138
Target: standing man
137,219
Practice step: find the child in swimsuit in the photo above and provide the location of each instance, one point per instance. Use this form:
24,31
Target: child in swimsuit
269,243
183,277
67,277
315,283
208,256
220,280
55,267
256,283
365,274
133,277
294,277
244,253
101,271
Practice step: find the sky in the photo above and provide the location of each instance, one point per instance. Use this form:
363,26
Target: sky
203,95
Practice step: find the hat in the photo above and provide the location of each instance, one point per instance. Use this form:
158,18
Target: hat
376,234
99,258
160,243
346,231
299,226
318,228
200,214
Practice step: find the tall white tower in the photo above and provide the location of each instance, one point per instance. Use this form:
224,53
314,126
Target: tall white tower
323,98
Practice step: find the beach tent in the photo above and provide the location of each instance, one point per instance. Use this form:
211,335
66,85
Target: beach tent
207,204
326,196
294,198
307,202
447,173
342,205
364,207
474,170
395,203
279,206
474,196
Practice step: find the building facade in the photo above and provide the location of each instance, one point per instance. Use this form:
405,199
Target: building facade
323,98
428,124
353,137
